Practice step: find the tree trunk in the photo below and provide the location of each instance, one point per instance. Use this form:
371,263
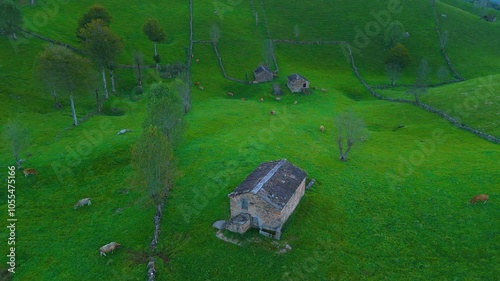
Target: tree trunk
156,55
104,83
97,100
139,75
112,81
75,121
54,95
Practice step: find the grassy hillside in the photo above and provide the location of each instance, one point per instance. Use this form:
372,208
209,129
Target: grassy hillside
397,210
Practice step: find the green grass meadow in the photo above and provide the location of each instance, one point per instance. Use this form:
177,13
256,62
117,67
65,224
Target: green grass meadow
397,210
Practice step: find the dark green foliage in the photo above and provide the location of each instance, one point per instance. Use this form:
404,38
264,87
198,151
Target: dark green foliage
11,17
95,12
153,31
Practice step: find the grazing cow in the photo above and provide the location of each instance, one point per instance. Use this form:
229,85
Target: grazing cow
243,98
362,139
480,197
197,60
273,112
106,249
30,171
295,102
261,99
322,128
83,202
230,94
201,88
278,99
323,90
314,88
197,83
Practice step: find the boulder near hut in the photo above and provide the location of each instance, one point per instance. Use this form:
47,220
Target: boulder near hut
297,83
263,74
266,198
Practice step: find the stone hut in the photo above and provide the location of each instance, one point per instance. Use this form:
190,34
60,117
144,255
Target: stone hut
263,74
266,198
297,83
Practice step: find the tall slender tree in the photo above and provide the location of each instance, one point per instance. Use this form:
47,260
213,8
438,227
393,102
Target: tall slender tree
165,111
155,33
103,46
152,159
66,72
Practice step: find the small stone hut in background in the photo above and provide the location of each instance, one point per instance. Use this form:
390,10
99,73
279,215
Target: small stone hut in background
297,83
263,74
266,198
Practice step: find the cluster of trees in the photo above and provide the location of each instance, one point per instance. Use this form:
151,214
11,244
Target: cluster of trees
66,72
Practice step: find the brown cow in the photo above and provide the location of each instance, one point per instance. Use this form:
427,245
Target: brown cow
106,249
197,83
30,171
480,197
243,98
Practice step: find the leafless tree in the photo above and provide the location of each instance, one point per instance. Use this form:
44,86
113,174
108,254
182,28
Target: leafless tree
214,34
350,130
296,31
19,138
420,86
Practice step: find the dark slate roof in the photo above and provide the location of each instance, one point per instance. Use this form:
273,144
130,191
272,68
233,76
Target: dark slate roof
275,182
261,69
296,76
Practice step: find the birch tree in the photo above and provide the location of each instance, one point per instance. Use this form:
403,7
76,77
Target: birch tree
103,46
65,71
155,33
